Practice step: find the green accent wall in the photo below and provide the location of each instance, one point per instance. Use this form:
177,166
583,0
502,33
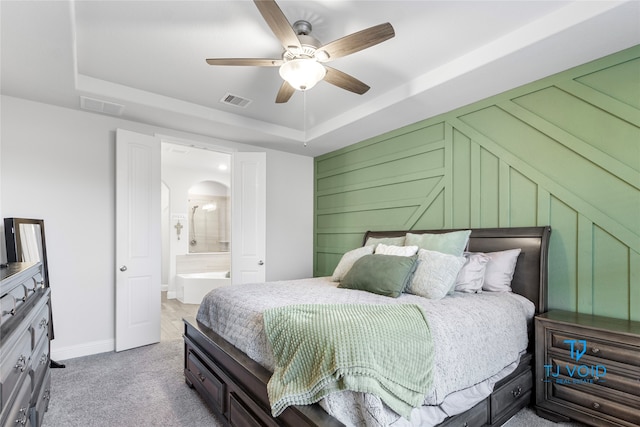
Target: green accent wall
563,151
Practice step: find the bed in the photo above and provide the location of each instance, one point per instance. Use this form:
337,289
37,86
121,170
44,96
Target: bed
234,384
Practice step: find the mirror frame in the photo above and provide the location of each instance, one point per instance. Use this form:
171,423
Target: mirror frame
14,243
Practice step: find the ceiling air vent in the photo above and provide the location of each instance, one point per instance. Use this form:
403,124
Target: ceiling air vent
100,106
235,100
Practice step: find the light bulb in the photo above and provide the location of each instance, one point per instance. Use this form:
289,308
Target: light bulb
302,74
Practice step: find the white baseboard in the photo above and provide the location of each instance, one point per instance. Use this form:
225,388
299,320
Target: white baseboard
87,349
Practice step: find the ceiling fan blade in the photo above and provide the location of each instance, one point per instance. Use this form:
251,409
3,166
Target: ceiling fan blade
345,81
358,41
278,23
285,93
257,62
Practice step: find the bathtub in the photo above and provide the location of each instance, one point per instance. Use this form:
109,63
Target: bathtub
192,287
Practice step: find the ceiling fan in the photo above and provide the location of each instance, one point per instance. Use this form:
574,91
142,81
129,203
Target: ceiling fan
303,59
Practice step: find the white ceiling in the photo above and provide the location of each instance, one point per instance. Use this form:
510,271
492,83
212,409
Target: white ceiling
150,57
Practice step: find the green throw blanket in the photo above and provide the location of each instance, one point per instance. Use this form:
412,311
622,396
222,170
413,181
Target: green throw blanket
385,350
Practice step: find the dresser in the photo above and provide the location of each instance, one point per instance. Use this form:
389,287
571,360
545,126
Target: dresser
24,350
587,369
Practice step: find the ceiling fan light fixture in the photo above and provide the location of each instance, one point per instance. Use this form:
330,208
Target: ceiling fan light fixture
302,74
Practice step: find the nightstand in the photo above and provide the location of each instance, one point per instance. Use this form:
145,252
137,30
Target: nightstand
587,369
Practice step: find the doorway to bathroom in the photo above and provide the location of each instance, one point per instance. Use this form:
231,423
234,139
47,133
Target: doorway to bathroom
150,234
196,229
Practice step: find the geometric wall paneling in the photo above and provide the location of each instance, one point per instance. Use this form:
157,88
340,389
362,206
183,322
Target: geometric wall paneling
564,275
607,81
610,286
562,151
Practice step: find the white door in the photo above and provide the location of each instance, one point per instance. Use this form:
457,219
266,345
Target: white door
248,213
138,247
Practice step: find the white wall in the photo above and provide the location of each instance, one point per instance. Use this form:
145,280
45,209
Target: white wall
59,165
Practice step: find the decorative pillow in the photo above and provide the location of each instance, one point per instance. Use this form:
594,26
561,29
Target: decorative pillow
396,241
453,243
386,275
435,274
396,250
500,269
471,275
347,260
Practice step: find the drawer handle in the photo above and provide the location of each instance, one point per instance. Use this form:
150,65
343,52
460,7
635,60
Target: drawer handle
595,350
202,377
43,359
596,405
13,310
22,363
46,395
43,323
22,416
517,392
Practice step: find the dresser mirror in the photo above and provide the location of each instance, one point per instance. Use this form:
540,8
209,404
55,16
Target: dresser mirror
25,242
24,238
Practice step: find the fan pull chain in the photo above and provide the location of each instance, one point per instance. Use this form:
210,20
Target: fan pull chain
304,116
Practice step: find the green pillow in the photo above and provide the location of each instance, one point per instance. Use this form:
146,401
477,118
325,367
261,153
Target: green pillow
394,241
386,275
453,243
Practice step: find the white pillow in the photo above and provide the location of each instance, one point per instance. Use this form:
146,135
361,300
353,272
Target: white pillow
435,274
347,261
500,268
471,275
396,250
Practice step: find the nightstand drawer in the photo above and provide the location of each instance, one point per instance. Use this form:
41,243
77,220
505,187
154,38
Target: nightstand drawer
601,375
597,405
606,350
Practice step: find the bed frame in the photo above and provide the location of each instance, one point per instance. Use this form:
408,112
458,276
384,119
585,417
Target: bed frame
235,387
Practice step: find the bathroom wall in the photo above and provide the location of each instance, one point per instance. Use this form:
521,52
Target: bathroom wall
209,217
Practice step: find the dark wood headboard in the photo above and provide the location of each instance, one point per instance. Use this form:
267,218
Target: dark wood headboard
530,277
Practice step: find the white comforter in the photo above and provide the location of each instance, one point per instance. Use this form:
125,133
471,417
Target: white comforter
475,335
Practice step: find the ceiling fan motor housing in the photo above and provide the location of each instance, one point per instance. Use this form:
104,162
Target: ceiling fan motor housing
302,27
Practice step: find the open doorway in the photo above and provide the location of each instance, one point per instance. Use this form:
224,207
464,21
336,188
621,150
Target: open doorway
196,224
